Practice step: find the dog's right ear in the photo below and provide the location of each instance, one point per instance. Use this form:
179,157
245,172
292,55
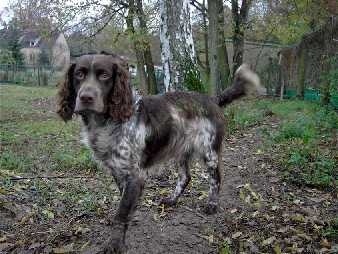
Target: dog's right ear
66,96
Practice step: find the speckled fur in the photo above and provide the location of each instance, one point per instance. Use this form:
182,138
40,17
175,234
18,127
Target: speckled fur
130,133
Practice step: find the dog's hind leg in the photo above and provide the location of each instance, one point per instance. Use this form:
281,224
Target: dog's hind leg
184,178
212,162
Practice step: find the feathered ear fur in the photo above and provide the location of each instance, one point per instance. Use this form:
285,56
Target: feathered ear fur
66,96
120,105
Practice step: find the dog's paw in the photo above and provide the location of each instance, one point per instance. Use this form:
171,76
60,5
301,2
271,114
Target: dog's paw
210,209
168,201
114,246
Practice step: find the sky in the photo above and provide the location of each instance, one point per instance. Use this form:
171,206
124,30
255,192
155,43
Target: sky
4,15
3,4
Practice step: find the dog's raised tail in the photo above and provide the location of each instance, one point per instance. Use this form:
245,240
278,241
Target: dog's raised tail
246,82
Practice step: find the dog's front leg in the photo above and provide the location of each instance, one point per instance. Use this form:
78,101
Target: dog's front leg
132,186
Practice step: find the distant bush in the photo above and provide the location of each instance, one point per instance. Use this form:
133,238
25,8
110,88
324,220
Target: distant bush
329,79
192,79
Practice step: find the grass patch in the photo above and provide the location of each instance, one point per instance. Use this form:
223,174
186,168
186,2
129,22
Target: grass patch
243,114
331,231
14,162
305,142
33,139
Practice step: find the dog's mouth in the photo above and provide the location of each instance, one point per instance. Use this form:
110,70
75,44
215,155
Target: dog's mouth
83,108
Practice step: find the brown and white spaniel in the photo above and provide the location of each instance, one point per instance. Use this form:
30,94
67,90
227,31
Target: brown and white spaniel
128,134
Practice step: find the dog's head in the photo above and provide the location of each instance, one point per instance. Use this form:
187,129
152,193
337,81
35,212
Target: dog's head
96,84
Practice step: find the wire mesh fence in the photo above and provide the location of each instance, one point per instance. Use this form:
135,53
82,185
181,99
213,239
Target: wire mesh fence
38,75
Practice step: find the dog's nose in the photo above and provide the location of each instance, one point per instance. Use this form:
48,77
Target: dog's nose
86,97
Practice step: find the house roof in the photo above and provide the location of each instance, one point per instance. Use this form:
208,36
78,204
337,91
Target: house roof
30,39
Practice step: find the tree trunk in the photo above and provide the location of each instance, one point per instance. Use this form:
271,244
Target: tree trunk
239,16
206,43
148,60
177,46
301,70
218,57
138,50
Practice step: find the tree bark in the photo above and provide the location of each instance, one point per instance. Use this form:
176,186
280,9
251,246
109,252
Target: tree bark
301,70
239,16
140,63
177,46
148,60
218,57
206,42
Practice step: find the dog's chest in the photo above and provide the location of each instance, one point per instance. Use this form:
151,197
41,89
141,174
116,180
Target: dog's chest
115,140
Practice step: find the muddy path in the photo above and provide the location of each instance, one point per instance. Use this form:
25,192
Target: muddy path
259,212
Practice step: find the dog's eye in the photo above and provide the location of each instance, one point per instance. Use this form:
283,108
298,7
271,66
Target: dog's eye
79,75
104,76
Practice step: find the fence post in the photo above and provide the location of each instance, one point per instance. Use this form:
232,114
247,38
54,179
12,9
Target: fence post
301,69
39,83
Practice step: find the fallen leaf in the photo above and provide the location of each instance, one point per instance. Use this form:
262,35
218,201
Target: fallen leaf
3,239
80,231
233,210
64,249
283,230
277,249
236,235
268,241
274,208
49,214
298,218
36,246
325,243
304,236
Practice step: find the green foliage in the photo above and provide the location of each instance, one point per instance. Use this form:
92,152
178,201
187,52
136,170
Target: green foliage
307,164
225,248
331,231
6,57
300,128
304,142
329,79
285,21
239,119
14,47
14,162
192,79
51,144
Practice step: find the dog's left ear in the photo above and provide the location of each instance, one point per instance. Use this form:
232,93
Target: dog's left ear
120,103
66,97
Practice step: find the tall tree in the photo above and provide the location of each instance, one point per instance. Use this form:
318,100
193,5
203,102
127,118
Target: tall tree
137,47
139,36
148,60
239,16
177,45
218,57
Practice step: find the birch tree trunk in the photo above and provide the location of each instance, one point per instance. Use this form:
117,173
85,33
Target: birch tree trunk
218,57
177,45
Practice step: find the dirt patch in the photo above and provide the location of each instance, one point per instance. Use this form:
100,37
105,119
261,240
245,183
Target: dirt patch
259,212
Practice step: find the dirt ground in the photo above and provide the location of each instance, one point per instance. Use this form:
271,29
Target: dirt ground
259,212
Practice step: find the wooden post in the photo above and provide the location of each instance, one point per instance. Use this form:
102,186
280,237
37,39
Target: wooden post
301,70
39,84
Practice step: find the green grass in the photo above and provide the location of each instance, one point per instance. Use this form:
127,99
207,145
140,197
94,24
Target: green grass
33,139
304,143
35,142
331,230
